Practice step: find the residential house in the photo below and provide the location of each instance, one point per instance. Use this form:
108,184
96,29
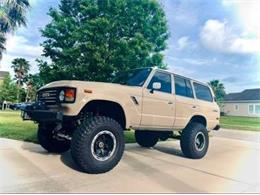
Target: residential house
245,103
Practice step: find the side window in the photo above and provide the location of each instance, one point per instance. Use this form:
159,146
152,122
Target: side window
164,79
183,87
257,109
203,92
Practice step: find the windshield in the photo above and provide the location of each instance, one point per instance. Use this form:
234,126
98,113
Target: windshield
135,77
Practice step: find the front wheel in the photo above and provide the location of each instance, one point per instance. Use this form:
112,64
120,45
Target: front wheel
194,141
97,144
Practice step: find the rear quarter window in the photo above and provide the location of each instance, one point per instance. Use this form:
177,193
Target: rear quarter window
183,87
203,92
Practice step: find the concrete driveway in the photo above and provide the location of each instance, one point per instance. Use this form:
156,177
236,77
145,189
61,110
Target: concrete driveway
231,165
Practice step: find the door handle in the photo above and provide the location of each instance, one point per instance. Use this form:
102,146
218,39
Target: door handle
170,102
194,106
215,110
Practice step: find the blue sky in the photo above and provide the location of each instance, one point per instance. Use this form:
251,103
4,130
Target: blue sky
216,39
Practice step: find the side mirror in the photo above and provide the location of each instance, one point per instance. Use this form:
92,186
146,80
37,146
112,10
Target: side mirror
156,86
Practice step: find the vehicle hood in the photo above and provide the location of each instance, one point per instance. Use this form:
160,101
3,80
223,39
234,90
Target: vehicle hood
87,85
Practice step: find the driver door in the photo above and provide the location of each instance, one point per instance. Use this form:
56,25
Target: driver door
158,108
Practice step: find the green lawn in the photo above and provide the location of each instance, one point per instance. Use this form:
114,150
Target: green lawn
240,123
12,126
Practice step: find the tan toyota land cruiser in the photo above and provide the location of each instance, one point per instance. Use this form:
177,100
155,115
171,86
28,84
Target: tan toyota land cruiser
89,117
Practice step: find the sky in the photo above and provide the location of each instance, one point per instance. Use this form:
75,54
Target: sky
216,39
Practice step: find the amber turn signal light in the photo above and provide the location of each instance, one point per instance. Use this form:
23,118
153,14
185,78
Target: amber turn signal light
70,95
88,91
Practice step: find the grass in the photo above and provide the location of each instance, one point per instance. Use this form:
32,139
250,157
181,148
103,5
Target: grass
12,126
240,123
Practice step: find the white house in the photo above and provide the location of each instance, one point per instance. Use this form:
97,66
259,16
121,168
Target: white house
245,103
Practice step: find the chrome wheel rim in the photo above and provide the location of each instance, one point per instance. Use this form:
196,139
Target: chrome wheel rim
103,145
200,141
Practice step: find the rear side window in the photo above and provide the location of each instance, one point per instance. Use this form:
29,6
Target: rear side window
164,79
203,92
183,87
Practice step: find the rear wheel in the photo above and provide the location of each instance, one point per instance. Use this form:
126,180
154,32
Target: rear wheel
97,144
194,141
146,138
49,140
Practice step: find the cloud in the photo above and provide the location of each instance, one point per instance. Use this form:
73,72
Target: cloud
34,2
248,13
193,61
177,69
231,79
220,37
183,42
19,46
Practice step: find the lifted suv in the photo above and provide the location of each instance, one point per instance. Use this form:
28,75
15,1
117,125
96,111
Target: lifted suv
89,117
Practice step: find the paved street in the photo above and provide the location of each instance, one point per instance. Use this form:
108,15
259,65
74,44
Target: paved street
231,165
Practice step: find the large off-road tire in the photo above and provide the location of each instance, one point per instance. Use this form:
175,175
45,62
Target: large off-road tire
98,144
146,138
49,142
194,141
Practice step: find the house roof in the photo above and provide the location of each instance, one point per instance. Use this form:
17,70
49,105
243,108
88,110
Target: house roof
248,94
3,74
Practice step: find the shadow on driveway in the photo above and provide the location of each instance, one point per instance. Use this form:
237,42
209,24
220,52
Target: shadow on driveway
67,160
170,150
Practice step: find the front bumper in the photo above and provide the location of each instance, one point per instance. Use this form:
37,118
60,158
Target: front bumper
40,113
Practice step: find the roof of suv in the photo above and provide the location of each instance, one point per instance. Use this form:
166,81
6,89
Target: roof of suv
200,82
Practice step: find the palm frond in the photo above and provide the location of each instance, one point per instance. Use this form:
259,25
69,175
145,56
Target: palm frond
2,44
12,15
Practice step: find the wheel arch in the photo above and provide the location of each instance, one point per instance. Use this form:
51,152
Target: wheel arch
107,108
199,119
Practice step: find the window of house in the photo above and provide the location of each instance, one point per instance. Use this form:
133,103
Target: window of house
164,79
183,87
251,109
257,109
203,92
236,107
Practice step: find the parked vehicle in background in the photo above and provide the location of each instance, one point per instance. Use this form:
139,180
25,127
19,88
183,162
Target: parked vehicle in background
18,106
90,117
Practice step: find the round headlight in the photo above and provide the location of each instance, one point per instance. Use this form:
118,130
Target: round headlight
62,96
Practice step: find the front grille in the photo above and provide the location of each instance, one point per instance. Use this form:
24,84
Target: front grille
48,96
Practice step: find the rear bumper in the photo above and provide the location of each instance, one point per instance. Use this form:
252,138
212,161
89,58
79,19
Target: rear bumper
39,113
217,128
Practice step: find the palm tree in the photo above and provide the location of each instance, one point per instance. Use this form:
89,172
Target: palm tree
218,88
12,15
21,68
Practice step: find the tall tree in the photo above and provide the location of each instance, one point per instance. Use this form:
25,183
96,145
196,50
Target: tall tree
21,68
91,39
8,90
218,88
12,15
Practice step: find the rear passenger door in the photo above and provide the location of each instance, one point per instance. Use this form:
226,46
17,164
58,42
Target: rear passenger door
185,103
